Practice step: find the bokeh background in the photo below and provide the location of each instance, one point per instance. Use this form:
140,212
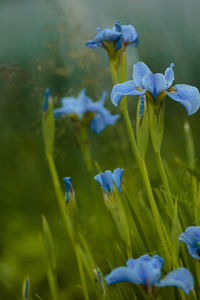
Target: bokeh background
42,46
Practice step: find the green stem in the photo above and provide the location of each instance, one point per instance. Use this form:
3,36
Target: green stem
164,180
59,195
121,73
66,221
81,271
85,148
52,283
113,70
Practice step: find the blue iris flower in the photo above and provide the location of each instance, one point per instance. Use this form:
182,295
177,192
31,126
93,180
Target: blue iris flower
146,270
69,190
109,180
157,85
83,107
118,35
191,238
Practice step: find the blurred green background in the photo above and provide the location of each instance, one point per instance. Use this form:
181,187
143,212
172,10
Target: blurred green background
42,46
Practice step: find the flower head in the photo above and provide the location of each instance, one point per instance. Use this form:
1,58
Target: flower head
146,271
109,180
69,190
191,238
117,36
156,86
84,109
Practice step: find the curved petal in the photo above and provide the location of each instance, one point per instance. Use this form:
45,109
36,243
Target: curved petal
154,83
143,270
117,178
105,180
96,43
191,238
149,269
122,89
122,274
139,71
181,278
101,120
130,35
106,35
169,75
186,95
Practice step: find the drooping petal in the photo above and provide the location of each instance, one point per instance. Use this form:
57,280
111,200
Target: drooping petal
169,75
130,35
122,89
106,181
144,270
117,178
154,83
186,95
140,70
106,35
181,278
122,274
101,120
191,238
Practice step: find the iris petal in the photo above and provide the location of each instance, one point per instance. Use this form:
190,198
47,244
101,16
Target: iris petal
122,89
130,35
139,71
105,181
143,270
154,83
101,120
186,95
169,75
106,35
117,177
191,238
122,274
108,179
181,278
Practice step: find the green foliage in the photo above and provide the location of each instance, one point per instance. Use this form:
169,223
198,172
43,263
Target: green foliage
58,59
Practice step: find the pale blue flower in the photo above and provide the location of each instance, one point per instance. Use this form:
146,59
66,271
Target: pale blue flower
82,108
146,271
157,85
108,180
118,35
191,238
69,190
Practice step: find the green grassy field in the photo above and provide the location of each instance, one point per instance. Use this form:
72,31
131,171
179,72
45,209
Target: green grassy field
42,46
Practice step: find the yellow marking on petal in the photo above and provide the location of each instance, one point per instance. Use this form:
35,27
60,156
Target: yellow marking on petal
172,90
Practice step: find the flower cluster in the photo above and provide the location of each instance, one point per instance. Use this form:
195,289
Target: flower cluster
84,109
144,270
155,87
